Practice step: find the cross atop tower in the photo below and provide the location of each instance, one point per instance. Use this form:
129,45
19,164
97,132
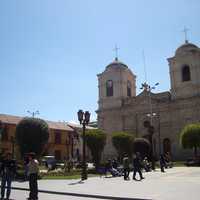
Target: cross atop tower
185,30
116,52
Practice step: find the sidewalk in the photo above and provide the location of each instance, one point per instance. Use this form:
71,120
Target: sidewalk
177,183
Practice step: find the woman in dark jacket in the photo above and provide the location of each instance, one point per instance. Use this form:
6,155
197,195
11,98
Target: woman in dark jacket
8,171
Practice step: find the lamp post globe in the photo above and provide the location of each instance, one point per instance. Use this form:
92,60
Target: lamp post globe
87,117
80,116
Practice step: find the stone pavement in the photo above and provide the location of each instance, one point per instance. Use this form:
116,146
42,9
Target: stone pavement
178,183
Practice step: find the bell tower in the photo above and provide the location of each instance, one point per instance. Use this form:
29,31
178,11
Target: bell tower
115,83
185,71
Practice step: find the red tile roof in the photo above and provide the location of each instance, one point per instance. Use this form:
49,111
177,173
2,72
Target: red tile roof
10,119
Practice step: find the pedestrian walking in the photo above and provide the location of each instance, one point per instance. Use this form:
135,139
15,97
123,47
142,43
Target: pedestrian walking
8,171
168,161
33,169
137,166
126,167
162,163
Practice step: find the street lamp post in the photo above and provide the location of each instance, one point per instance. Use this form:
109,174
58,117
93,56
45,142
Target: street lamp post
84,118
33,113
159,139
149,88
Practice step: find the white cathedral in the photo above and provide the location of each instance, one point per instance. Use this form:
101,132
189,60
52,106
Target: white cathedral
120,109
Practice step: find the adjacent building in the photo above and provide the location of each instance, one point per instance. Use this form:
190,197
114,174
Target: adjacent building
63,143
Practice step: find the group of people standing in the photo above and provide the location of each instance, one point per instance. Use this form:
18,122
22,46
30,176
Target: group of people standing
137,164
113,167
8,171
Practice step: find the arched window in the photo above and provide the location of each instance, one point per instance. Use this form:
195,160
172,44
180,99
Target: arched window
186,73
166,146
128,88
109,88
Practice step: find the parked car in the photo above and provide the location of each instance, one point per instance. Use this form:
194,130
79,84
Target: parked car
79,165
60,165
193,162
50,162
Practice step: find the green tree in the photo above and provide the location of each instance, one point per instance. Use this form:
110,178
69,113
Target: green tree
95,140
123,143
142,146
31,135
190,137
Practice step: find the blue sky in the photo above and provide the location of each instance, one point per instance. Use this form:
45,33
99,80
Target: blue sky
51,51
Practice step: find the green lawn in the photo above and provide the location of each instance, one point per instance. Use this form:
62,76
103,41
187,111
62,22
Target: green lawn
66,177
50,177
61,174
179,164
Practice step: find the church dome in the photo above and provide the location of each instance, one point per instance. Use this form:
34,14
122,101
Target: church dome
116,64
187,47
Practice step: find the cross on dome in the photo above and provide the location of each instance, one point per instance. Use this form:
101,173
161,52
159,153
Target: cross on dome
116,52
185,30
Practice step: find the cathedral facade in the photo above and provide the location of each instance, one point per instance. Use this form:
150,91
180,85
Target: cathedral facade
120,109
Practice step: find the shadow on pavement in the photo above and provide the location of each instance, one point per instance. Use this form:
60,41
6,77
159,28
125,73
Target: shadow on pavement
78,182
81,195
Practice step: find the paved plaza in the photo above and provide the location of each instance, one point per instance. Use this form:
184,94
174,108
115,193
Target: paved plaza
178,183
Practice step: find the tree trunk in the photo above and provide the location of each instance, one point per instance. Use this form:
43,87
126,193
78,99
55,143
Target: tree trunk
195,151
97,160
